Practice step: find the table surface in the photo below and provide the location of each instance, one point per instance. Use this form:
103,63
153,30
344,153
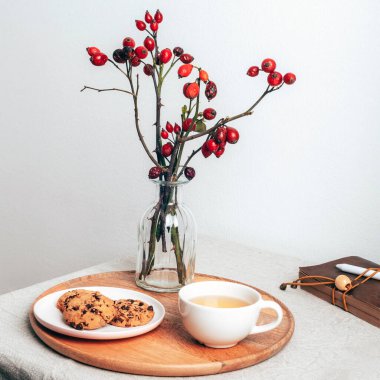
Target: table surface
327,342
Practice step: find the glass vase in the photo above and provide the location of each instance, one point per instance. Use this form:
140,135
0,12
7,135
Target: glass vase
166,241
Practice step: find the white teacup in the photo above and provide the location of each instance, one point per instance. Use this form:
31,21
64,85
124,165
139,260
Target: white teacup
223,327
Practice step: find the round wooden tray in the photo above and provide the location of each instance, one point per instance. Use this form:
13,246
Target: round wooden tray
168,350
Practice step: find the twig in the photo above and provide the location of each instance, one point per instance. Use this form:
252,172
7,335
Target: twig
188,160
105,89
228,119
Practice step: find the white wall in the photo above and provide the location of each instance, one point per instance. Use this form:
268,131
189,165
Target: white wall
302,181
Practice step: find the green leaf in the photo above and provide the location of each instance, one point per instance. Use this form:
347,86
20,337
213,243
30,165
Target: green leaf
200,126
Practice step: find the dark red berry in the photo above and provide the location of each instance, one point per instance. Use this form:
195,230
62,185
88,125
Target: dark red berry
189,173
148,69
232,135
221,135
164,134
209,113
212,145
253,71
177,129
154,172
219,152
185,70
177,51
186,58
167,149
158,16
148,17
191,90
206,153
275,78
119,56
187,124
92,50
211,90
154,26
165,56
149,43
268,65
169,127
135,61
141,52
140,25
99,59
128,41
289,78
128,51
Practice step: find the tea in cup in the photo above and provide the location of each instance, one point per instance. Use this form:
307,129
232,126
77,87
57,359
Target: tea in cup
220,314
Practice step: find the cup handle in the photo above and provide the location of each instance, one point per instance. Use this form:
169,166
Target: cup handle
272,325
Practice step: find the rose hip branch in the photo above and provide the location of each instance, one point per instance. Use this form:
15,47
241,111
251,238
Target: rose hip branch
192,120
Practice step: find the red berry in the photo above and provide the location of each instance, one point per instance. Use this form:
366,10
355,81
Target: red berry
154,26
186,58
92,50
191,90
185,70
268,65
169,127
119,56
164,134
128,41
167,149
253,71
206,153
212,145
149,43
209,113
158,16
289,78
154,172
203,76
165,56
219,152
221,135
232,135
148,17
275,78
148,69
99,59
187,124
129,52
141,52
189,173
177,129
140,25
177,51
135,61
211,90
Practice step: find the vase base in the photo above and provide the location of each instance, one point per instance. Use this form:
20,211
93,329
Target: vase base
161,281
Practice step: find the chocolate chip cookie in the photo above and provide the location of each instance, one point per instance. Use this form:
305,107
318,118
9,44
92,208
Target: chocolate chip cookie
62,301
88,311
131,313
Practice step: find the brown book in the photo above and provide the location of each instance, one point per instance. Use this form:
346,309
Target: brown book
363,301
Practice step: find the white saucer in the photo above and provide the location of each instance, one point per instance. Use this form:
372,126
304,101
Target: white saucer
48,315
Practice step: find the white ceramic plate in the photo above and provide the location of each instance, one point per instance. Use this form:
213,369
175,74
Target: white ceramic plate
48,315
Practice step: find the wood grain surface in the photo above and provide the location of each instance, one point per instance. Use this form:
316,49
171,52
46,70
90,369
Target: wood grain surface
168,350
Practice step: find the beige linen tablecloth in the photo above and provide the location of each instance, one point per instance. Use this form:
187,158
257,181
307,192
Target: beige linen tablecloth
328,343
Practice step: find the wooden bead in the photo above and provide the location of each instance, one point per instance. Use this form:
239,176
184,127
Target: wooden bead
343,282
